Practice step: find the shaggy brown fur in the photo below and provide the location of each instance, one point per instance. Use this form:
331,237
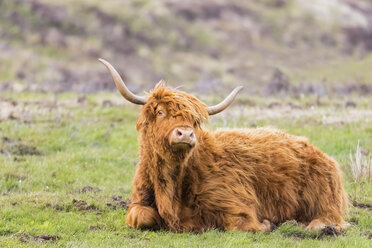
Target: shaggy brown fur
232,179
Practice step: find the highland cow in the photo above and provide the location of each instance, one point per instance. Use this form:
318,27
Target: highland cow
190,179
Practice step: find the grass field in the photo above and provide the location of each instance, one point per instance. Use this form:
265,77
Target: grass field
67,162
67,159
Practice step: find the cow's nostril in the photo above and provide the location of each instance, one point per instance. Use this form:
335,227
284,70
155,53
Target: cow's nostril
183,138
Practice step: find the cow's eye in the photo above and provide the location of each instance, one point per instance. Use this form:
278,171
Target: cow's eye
160,112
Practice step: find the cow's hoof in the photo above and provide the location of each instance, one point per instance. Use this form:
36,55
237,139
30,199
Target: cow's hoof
315,225
265,226
143,217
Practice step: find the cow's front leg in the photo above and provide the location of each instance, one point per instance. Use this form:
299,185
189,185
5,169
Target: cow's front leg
143,217
168,204
168,208
142,213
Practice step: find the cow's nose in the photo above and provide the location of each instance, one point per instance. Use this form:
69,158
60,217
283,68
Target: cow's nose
184,133
183,136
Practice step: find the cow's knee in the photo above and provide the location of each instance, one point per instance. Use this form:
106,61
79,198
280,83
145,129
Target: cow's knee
143,217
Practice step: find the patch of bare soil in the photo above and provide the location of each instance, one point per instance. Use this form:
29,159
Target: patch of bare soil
13,176
22,150
118,202
58,207
92,228
87,189
17,147
32,111
368,234
362,205
328,231
82,205
25,237
46,236
90,189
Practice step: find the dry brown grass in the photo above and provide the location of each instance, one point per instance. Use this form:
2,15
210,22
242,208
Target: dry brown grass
360,164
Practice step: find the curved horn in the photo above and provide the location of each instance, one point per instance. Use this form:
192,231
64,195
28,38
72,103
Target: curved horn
225,103
125,92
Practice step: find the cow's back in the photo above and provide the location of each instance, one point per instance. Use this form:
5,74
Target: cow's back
288,173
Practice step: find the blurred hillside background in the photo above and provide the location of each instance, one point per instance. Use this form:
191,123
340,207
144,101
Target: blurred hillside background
270,46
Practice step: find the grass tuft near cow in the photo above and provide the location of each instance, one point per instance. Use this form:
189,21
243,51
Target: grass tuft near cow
190,179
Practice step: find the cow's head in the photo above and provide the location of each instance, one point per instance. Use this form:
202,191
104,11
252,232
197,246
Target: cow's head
170,120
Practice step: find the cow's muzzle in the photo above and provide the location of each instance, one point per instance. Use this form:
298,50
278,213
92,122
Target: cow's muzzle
182,138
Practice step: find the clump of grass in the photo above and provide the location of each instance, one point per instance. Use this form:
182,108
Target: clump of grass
360,165
292,229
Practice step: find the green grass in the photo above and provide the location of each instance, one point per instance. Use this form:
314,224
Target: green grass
88,144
